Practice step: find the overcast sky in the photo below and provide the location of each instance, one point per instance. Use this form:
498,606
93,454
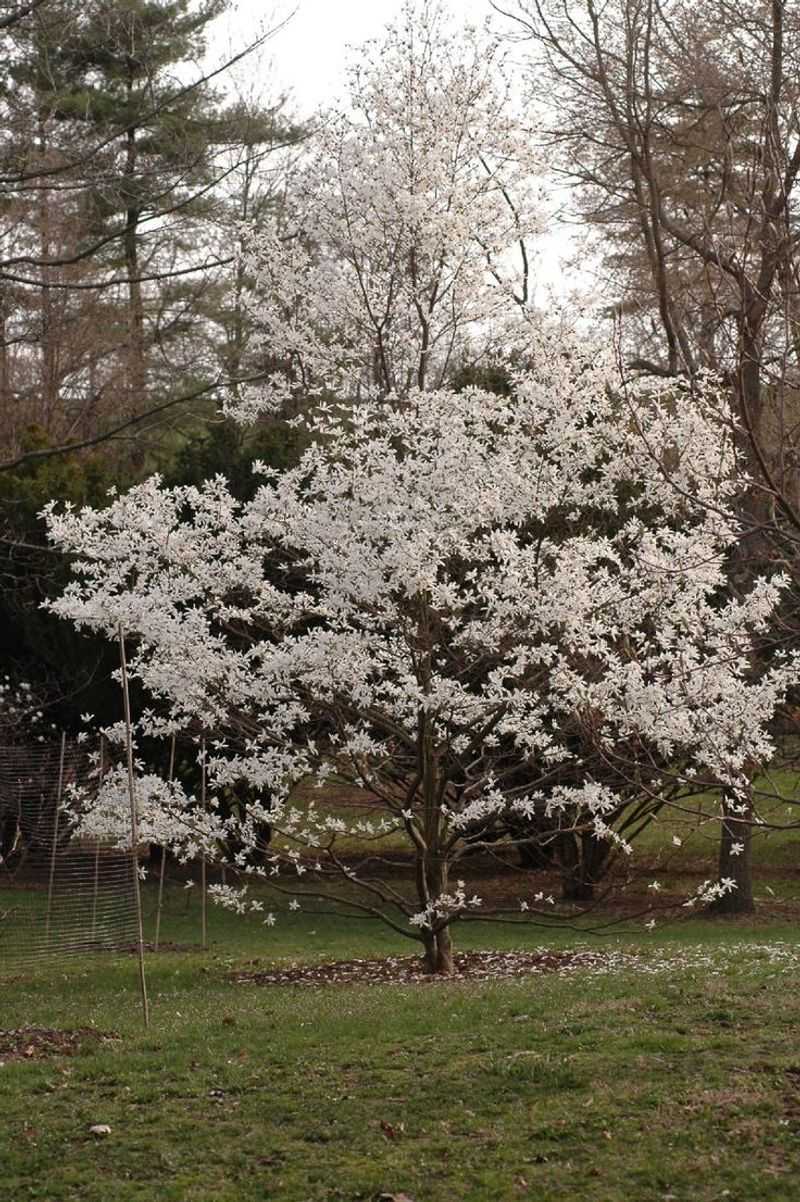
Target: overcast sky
307,58
309,54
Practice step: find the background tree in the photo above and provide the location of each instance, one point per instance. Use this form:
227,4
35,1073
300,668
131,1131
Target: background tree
264,147
406,249
129,182
676,124
115,162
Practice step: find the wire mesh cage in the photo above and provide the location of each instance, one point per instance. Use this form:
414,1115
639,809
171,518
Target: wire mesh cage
61,894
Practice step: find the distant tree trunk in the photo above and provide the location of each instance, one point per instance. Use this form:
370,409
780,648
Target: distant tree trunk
136,374
49,378
534,857
753,558
136,364
5,371
736,861
583,859
573,888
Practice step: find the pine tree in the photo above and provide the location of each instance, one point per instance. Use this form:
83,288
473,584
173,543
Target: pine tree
122,61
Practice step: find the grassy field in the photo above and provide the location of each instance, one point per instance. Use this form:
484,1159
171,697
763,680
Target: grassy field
694,820
670,1071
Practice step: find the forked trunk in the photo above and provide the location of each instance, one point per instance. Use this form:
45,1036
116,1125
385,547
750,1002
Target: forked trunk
431,869
583,860
439,952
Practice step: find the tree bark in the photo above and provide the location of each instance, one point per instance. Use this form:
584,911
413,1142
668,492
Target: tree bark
573,888
136,373
432,878
439,952
48,411
136,367
735,864
5,369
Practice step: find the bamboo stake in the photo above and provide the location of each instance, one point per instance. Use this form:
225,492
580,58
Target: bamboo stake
96,883
163,866
203,870
54,849
137,891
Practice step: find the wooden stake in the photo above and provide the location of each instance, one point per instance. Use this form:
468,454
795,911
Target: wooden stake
95,886
137,891
54,849
203,870
163,866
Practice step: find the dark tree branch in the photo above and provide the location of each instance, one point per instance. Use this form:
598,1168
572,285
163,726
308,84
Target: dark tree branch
155,410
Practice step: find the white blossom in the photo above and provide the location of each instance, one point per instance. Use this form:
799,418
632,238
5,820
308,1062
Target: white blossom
409,242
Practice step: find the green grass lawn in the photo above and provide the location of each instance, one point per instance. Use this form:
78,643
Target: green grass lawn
695,821
679,1084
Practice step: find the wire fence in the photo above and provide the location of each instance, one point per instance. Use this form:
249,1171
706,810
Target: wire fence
60,895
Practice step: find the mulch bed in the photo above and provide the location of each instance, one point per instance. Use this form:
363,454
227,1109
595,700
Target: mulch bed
39,1043
408,970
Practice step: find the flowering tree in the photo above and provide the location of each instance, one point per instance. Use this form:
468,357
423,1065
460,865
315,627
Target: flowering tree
407,247
449,635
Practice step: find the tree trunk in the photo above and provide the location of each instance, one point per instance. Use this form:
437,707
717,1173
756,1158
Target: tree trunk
439,952
136,364
136,374
136,369
735,864
584,860
575,886
753,557
432,883
48,407
9,432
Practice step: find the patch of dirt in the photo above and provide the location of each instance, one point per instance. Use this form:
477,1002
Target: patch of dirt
39,1043
406,970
